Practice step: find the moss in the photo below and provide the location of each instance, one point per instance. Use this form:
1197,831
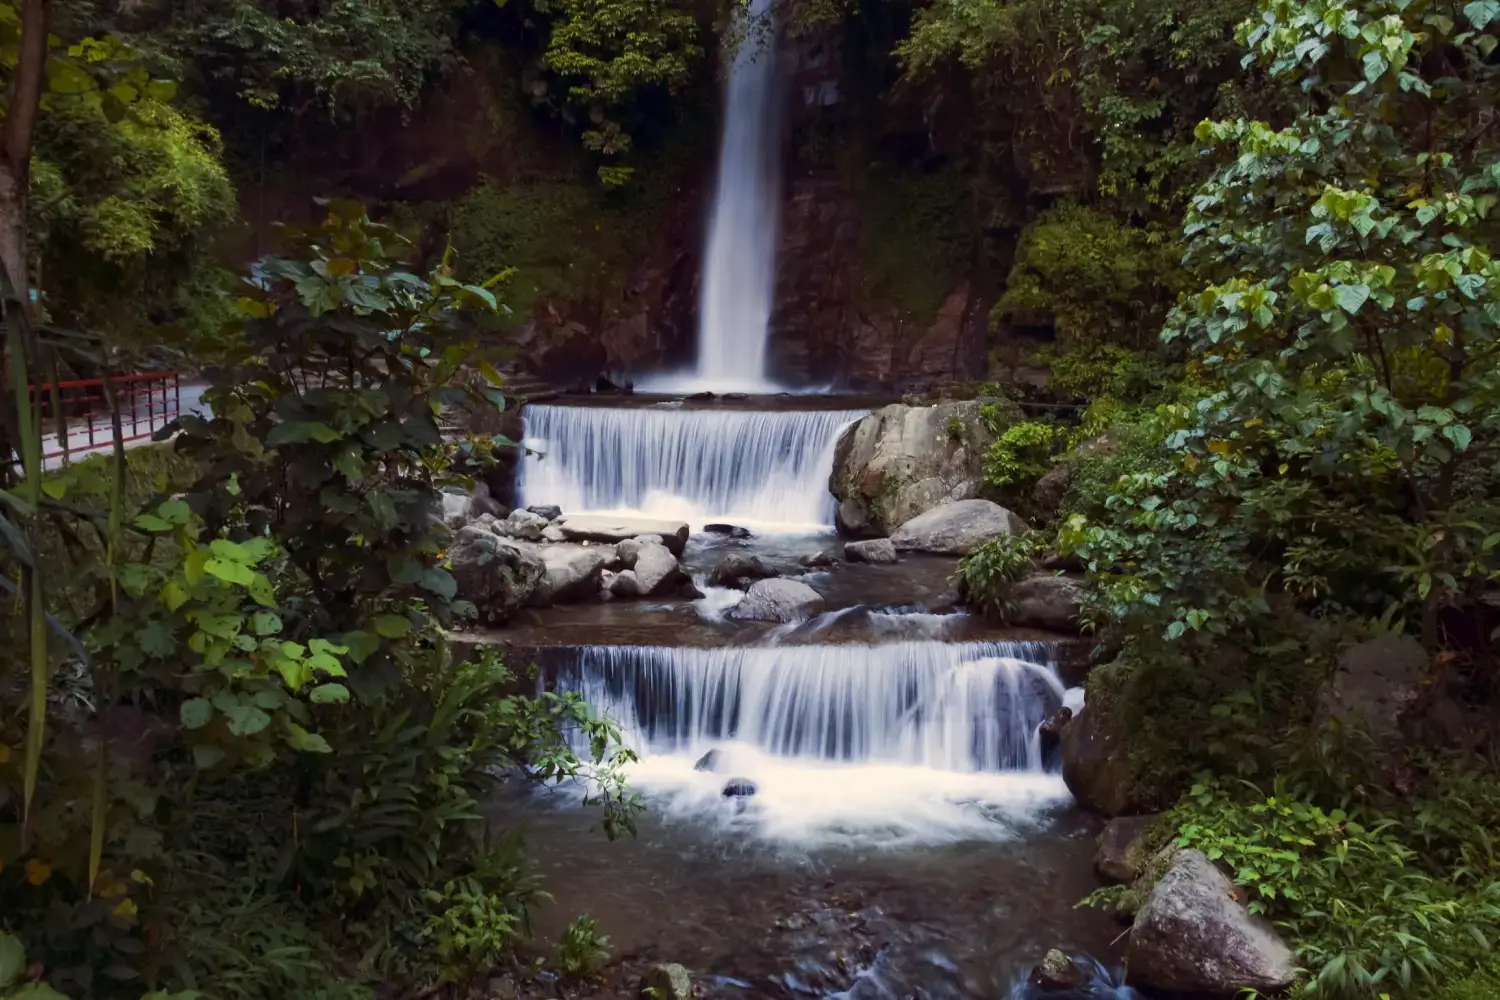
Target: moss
916,239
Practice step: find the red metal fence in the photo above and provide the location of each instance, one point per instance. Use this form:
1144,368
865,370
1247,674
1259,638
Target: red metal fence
146,402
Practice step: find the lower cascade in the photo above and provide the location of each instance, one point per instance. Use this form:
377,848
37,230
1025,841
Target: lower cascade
761,467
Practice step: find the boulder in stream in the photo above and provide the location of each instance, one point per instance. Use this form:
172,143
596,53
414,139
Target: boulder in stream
1121,855
778,600
1058,972
736,788
902,461
728,530
878,551
653,571
498,575
1096,753
739,571
956,529
709,761
1194,937
572,573
523,524
667,981
1048,601
607,528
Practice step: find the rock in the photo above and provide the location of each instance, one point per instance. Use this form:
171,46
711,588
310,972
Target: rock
1047,495
548,511
1048,601
709,761
1095,754
1194,937
1049,733
496,574
1376,685
631,546
703,396
902,461
605,528
523,524
572,573
956,529
739,571
739,788
1057,972
455,512
552,533
481,502
1061,563
654,572
818,560
777,600
1121,856
731,530
874,550
667,981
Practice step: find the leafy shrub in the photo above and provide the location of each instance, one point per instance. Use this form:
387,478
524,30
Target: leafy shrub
1022,454
986,576
582,951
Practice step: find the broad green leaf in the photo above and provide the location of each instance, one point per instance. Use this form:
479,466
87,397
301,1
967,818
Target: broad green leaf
175,512
265,623
325,694
206,755
362,645
230,572
150,522
247,720
12,960
300,739
392,626
1351,297
162,90
196,713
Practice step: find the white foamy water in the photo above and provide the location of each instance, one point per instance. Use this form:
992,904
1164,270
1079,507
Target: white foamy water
739,272
765,470
910,742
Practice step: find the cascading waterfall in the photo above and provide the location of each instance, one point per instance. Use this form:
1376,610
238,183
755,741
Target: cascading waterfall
697,465
961,707
739,272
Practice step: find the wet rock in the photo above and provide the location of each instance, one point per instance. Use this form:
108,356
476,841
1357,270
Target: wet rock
523,524
667,981
654,572
1194,936
572,573
1061,563
552,533
1050,732
728,530
902,461
455,512
1047,495
482,502
1057,972
777,600
550,512
818,560
605,528
956,529
739,571
498,575
1048,601
700,396
631,546
1121,856
1376,685
739,788
874,550
1095,754
709,761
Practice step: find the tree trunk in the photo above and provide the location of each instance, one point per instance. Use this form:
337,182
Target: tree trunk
25,95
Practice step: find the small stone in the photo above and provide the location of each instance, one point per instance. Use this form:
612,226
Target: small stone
1057,972
552,533
709,761
524,525
878,551
550,512
739,788
667,981
705,395
818,560
739,571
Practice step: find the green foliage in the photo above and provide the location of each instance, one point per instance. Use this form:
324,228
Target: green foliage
916,238
986,576
582,950
1022,454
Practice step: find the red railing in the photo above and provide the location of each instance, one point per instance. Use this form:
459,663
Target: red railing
147,403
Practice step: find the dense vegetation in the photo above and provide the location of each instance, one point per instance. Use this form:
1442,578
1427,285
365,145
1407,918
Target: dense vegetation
1251,243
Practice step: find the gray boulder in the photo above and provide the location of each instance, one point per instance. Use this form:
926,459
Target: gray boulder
879,551
483,502
653,571
572,573
498,575
455,512
549,511
1058,972
777,600
667,981
956,529
1194,937
523,524
902,461
1048,601
1095,753
1048,493
1121,854
552,533
1376,686
607,528
739,571
631,546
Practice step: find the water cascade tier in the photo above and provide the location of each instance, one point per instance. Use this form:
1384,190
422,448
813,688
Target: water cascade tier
960,707
749,467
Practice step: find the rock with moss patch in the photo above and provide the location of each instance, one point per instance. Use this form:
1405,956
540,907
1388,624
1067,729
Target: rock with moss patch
667,981
1121,854
1048,601
1376,686
1096,752
1058,972
497,575
903,460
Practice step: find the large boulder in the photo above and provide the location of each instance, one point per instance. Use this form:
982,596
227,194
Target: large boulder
901,461
739,571
1376,686
572,573
608,528
879,551
1048,493
1194,937
653,571
1121,854
1095,753
777,600
498,575
522,524
956,529
1048,601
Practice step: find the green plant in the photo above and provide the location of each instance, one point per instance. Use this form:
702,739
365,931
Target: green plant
582,950
1022,453
986,577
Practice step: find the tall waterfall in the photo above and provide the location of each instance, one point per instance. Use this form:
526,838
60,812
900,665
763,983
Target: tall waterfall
961,707
739,273
698,465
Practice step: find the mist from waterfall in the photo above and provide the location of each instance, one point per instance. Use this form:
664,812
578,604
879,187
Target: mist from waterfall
739,270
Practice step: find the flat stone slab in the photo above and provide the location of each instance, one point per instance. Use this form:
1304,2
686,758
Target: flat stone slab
607,528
